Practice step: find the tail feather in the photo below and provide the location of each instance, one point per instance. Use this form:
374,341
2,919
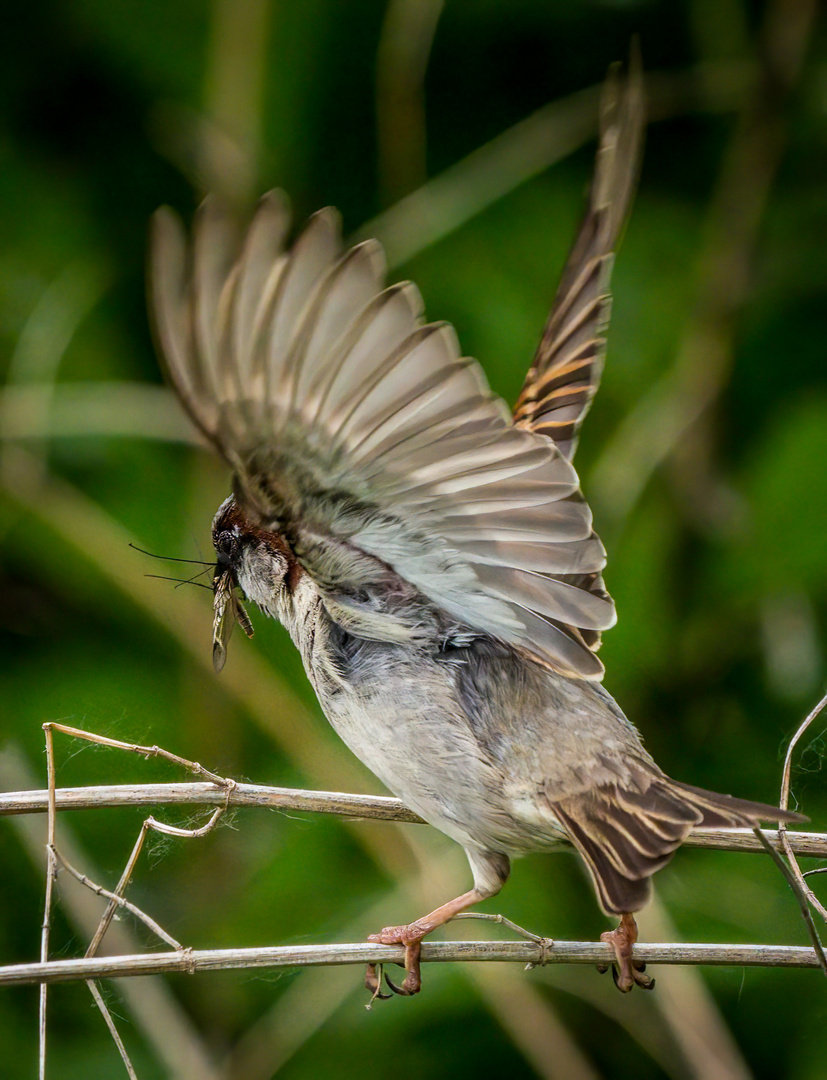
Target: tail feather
626,834
728,812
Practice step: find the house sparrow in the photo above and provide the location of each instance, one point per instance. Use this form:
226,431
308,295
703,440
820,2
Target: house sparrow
431,555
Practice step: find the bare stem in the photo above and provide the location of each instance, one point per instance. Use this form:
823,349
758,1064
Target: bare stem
51,875
523,952
136,748
343,804
217,785
113,1031
117,896
802,889
222,793
800,895
116,901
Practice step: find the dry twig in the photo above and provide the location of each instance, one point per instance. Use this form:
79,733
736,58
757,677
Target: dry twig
800,895
116,899
788,848
155,1011
340,803
522,952
223,792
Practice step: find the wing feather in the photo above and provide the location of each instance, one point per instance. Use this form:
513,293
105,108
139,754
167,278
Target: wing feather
566,372
365,435
169,282
214,244
386,322
574,557
349,285
312,255
260,267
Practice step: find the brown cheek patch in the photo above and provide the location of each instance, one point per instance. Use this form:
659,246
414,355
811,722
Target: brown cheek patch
294,572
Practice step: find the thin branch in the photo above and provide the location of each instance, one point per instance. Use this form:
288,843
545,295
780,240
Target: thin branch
800,895
802,889
51,877
137,748
224,793
522,952
53,860
788,760
155,1011
116,898
381,807
117,901
343,804
110,1023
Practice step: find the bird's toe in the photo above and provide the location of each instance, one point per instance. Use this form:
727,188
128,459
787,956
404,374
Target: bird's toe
626,971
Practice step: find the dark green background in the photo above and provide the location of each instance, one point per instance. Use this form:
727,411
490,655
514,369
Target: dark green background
718,564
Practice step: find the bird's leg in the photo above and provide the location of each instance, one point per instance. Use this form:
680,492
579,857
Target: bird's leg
411,937
490,870
627,972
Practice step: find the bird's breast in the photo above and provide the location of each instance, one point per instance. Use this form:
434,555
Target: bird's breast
396,707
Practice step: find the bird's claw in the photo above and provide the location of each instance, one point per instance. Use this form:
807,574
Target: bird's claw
625,980
411,984
373,984
409,936
638,967
645,982
626,971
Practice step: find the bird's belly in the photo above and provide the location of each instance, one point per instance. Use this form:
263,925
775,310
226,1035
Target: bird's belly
471,772
422,755
407,733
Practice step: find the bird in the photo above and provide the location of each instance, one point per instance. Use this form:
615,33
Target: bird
429,551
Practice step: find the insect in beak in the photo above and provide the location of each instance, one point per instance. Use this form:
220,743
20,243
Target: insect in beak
228,610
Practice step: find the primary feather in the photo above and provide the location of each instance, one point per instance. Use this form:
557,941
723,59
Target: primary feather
352,426
565,375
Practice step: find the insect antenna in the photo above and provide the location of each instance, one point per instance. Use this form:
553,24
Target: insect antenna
170,558
184,581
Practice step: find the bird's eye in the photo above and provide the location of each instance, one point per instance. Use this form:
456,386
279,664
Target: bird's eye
226,547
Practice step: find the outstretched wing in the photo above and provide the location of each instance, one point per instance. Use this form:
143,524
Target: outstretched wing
363,436
566,371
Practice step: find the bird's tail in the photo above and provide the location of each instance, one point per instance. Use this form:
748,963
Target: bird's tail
625,834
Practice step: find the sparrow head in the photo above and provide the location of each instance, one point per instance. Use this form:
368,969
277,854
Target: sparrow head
251,559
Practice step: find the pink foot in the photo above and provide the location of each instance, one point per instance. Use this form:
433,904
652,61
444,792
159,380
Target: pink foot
411,937
627,972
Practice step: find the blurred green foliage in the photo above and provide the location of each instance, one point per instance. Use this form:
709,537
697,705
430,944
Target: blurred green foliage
718,566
